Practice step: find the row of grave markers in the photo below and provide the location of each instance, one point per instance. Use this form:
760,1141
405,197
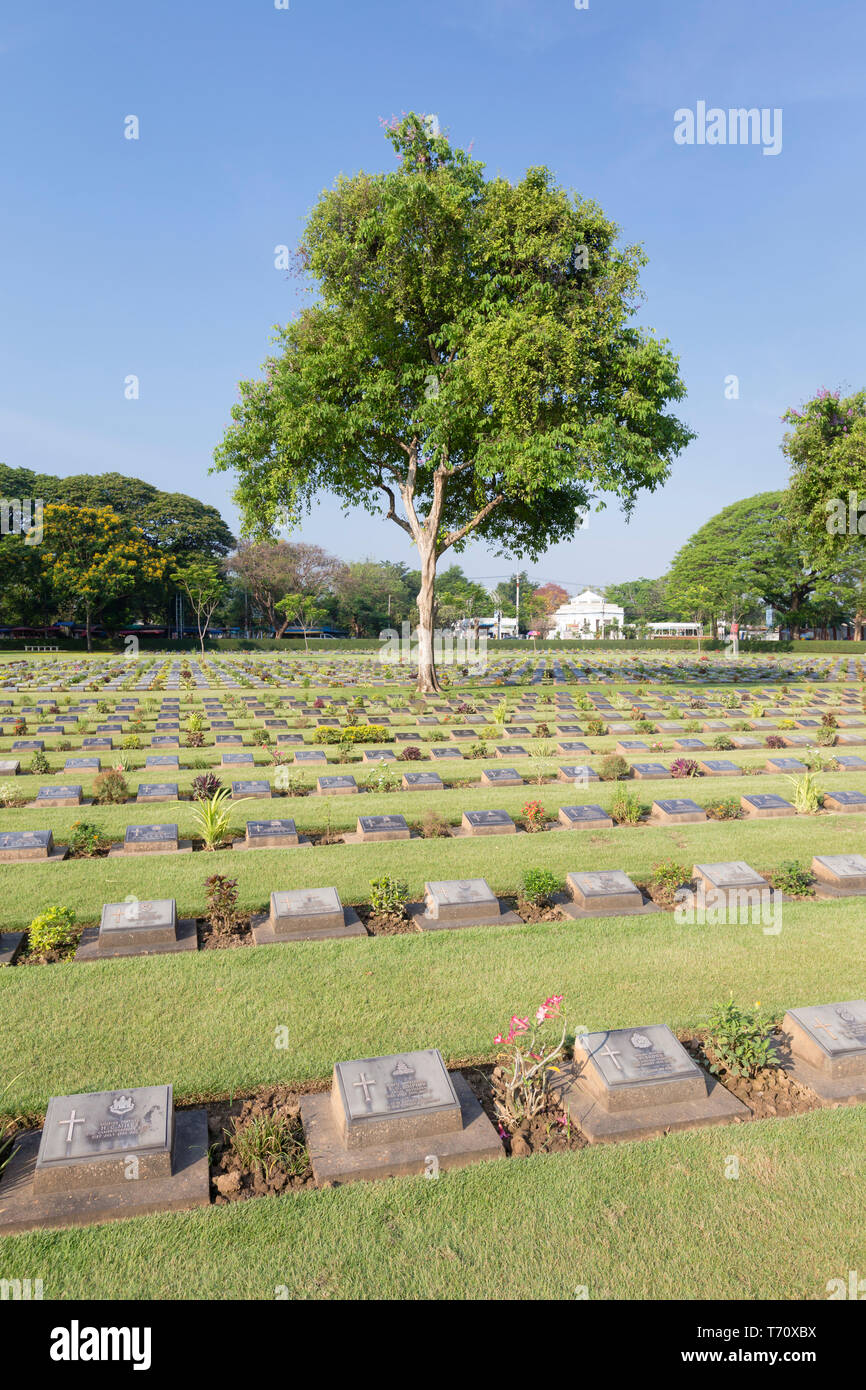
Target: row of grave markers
111,1154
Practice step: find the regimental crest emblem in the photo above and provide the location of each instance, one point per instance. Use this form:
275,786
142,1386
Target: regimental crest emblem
121,1105
640,1041
402,1071
845,1014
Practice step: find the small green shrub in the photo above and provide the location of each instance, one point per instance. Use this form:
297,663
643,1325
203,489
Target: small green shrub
539,886
388,895
794,878
85,839
626,808
739,1041
52,929
613,767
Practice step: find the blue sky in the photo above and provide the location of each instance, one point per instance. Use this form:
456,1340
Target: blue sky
155,257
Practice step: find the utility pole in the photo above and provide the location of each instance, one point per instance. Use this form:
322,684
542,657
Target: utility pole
517,606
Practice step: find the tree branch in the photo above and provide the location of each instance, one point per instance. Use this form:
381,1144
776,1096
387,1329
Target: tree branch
454,536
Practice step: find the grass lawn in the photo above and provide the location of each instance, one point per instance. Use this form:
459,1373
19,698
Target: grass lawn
657,1219
85,884
207,1021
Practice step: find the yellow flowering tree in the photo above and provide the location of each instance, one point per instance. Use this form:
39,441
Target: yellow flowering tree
91,556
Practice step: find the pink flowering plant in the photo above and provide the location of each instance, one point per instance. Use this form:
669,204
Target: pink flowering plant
535,1047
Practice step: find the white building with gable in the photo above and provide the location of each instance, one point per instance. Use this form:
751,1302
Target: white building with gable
587,615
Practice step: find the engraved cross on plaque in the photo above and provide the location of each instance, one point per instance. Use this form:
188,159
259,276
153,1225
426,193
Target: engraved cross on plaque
827,1029
71,1122
366,1082
607,1051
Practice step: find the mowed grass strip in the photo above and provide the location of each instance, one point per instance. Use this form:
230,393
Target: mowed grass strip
27,888
211,1022
658,1219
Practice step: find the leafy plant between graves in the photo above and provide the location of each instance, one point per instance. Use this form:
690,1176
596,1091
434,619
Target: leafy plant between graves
205,785
596,728
534,1049
109,787
613,767
723,743
626,807
774,741
666,877
539,886
739,1041
10,796
389,895
131,741
411,754
684,767
727,808
268,1142
433,827
51,930
807,798
534,816
212,819
39,763
222,903
85,839
826,736
793,878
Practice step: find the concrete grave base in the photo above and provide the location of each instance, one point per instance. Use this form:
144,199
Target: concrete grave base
264,934
417,913
303,843
89,948
10,945
333,1162
22,1209
581,914
717,1107
122,852
57,854
844,1090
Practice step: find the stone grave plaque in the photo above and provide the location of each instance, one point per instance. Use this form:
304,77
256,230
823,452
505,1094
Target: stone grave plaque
517,730
36,745
719,767
383,828
382,1099
313,755
242,790
138,923
607,891
82,765
785,765
440,753
729,874
589,817
9,767
421,781
573,747
841,870
844,801
501,776
631,745
87,1139
488,823
645,771
510,750
228,740
628,1068
831,1038
679,810
25,844
763,805
271,833
690,744
464,733
577,773
374,755
851,763
58,796
97,743
302,911
237,759
162,760
343,785
460,900
157,791
385,1116
148,839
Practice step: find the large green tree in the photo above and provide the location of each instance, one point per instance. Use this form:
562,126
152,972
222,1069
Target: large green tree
643,600
743,557
471,368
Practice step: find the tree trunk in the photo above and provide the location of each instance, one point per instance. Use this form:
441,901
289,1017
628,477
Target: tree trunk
428,683
89,635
